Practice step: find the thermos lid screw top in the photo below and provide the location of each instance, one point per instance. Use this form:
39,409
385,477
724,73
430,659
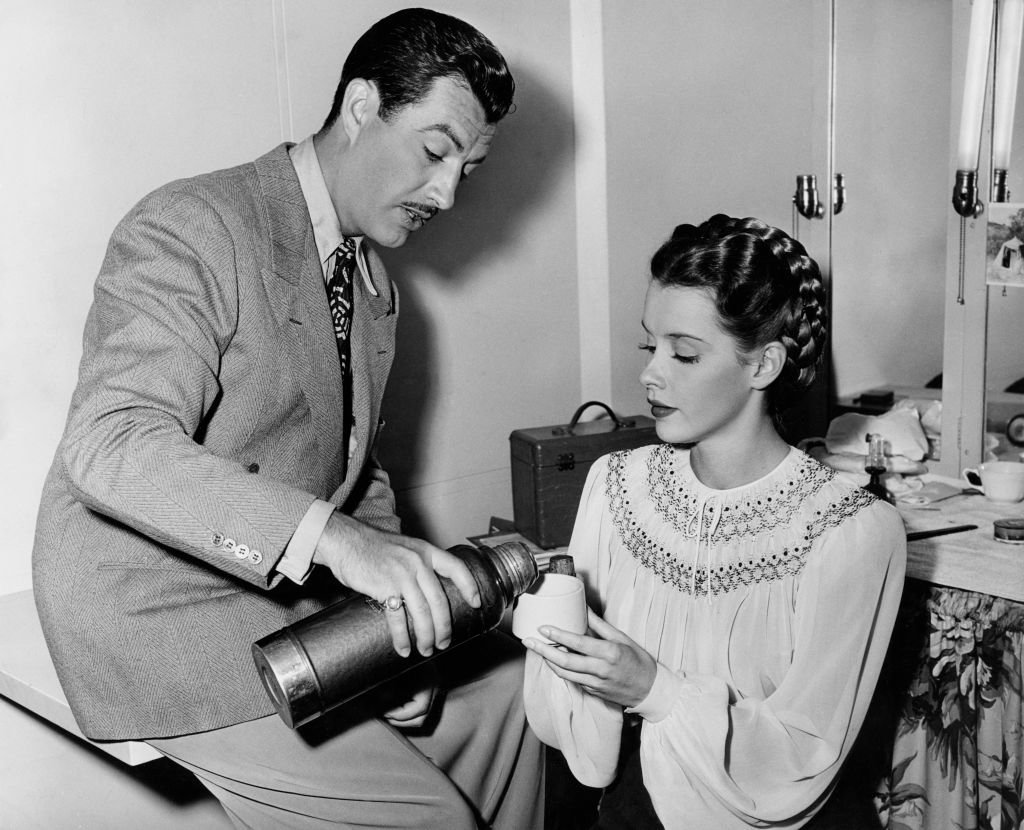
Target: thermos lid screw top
562,563
516,566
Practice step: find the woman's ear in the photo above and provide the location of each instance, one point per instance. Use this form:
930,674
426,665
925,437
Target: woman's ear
768,363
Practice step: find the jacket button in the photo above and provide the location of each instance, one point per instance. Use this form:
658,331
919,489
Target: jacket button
255,557
254,467
242,551
218,539
229,545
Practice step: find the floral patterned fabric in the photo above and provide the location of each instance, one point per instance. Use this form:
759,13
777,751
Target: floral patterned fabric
956,757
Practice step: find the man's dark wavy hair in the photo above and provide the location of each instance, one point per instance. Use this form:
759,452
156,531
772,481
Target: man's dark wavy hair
406,52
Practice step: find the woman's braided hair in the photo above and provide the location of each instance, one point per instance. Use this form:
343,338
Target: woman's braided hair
765,288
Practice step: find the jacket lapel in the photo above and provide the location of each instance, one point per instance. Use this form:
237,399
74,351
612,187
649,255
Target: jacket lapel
295,285
373,345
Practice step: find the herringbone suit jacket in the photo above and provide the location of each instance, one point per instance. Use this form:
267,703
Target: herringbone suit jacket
206,419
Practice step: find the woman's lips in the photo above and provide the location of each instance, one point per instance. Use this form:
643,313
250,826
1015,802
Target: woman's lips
659,410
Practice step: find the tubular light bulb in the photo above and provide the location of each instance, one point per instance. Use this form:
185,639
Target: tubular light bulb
1011,22
978,44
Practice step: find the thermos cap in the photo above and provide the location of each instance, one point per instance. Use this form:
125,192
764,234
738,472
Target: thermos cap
562,563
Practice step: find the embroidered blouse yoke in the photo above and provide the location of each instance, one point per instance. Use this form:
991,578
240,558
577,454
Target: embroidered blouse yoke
768,607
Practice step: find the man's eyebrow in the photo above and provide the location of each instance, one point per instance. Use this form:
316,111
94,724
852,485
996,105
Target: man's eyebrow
448,131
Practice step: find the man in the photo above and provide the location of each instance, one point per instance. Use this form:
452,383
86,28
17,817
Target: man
217,480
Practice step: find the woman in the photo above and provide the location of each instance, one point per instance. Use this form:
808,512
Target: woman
742,595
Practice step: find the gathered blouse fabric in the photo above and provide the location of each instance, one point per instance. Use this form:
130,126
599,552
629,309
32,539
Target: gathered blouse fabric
768,608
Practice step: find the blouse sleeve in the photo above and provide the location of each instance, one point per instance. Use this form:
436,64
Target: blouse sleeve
773,761
585,728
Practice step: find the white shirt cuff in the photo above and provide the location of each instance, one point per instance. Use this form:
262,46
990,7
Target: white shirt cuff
667,688
297,561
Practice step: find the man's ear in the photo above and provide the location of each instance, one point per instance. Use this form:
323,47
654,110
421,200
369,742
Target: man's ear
358,105
768,362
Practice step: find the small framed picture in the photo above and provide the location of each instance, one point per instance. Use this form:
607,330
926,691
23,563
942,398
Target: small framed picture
1005,250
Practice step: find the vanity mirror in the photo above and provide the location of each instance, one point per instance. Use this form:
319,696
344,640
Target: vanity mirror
898,245
1004,264
1004,341
984,348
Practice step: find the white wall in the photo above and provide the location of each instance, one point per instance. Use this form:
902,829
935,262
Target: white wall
102,103
105,101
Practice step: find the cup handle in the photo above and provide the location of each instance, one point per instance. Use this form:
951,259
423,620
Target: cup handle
973,477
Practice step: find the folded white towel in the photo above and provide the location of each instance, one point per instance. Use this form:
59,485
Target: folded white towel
901,428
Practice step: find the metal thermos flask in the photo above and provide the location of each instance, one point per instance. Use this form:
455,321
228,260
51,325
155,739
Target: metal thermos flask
338,653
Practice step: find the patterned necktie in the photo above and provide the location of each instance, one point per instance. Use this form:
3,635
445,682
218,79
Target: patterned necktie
339,293
340,297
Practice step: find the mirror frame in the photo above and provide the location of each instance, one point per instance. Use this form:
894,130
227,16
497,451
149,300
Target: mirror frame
966,324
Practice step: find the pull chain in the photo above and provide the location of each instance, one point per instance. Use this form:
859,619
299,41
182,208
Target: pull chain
960,274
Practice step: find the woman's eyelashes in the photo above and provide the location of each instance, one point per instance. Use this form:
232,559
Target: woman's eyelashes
682,358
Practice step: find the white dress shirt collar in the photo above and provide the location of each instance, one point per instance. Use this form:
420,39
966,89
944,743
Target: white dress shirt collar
326,226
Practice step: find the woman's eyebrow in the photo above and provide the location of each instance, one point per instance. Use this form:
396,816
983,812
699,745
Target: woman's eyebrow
682,336
675,335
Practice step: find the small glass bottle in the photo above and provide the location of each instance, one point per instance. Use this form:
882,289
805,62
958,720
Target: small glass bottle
332,656
875,467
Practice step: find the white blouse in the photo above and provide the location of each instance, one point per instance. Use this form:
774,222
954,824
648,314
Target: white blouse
768,608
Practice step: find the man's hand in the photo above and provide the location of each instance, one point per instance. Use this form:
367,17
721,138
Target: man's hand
608,664
407,700
412,713
383,565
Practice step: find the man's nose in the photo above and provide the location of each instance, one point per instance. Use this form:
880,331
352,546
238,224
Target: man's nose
443,189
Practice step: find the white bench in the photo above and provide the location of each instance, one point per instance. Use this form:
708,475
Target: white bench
28,678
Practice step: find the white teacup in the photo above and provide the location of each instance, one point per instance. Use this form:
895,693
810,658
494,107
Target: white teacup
1001,481
554,599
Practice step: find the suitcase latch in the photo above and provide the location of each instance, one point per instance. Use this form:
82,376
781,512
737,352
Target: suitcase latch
566,461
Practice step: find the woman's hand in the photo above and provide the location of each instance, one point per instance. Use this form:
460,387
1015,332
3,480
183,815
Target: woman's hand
605,662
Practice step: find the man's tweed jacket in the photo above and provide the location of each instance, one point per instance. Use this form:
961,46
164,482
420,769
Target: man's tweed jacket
206,419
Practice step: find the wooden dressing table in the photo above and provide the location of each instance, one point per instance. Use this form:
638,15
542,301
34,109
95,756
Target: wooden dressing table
971,560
